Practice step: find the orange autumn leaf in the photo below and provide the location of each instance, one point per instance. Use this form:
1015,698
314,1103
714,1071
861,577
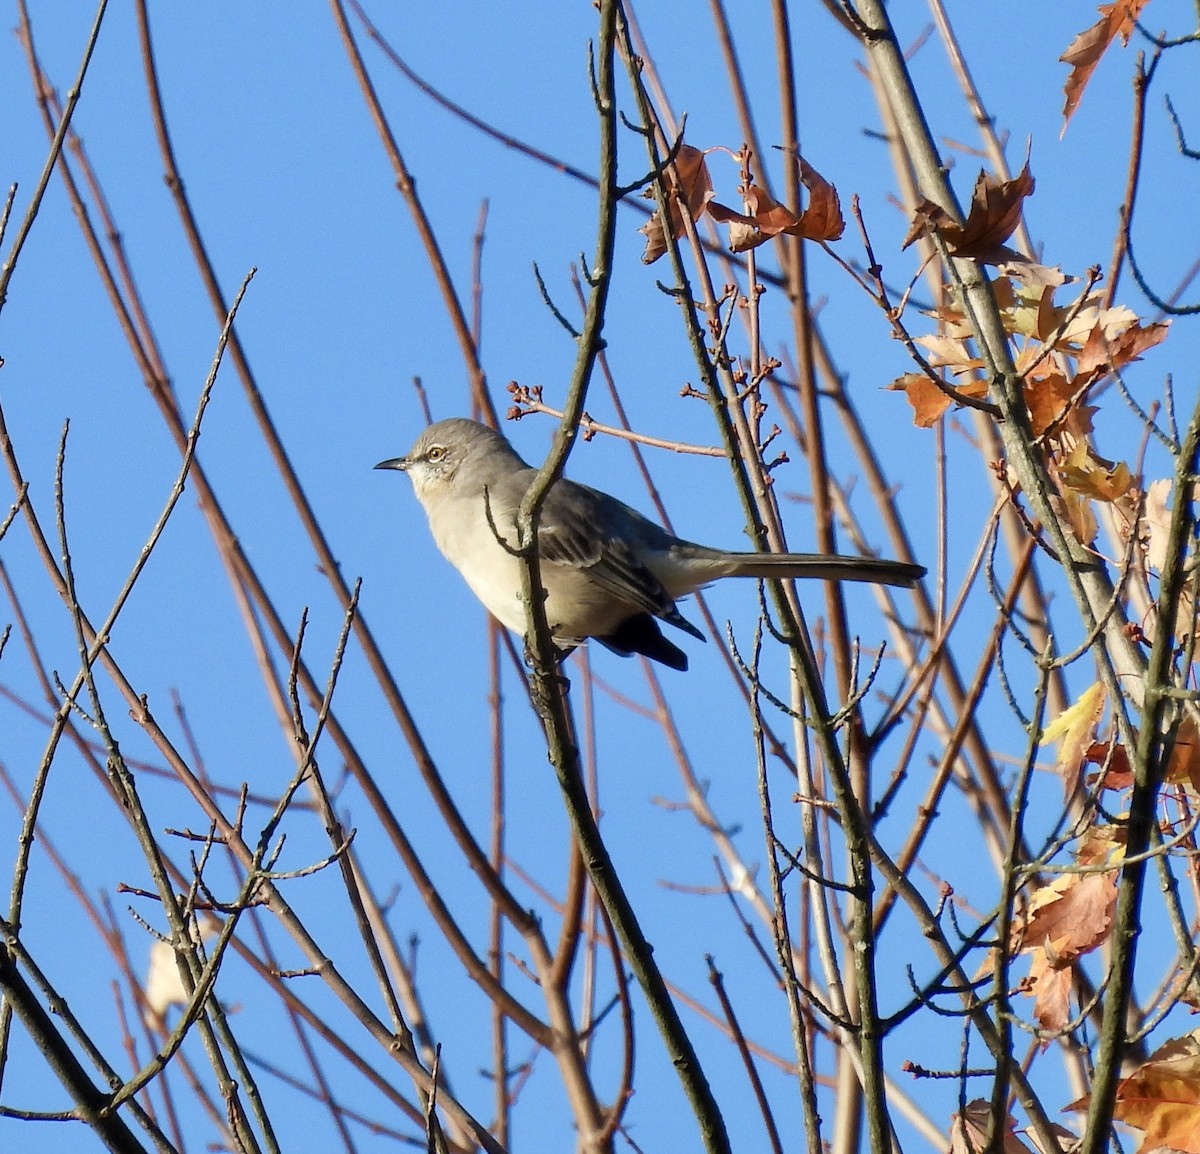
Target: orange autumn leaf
1101,340
1047,398
1084,52
927,400
1162,1097
1103,352
994,214
1113,760
688,180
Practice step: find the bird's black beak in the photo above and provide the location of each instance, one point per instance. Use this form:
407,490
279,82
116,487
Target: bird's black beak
400,463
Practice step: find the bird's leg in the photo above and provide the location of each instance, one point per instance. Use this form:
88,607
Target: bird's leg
560,655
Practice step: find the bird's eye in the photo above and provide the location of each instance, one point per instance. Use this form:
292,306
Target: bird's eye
436,453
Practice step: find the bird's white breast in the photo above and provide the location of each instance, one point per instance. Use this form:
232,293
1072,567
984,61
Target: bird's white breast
467,541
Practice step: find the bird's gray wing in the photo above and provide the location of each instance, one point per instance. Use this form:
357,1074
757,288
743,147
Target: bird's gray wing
586,529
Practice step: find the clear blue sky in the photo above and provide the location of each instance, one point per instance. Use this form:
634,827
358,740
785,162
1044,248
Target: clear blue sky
286,174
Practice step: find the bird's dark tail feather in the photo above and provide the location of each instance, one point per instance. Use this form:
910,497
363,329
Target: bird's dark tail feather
641,634
877,570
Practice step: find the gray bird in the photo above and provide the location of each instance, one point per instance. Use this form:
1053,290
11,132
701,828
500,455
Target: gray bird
608,572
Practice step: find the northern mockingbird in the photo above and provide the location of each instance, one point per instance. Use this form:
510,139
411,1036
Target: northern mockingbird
608,572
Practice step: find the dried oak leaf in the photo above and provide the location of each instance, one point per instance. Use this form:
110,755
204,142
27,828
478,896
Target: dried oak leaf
1084,52
994,213
927,400
765,218
1075,729
688,179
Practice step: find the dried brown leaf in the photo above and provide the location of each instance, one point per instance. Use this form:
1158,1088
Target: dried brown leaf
928,218
969,1131
1073,913
949,352
1119,773
1103,352
1084,52
1183,765
765,218
1076,510
687,179
1066,919
822,219
1157,522
1029,272
994,213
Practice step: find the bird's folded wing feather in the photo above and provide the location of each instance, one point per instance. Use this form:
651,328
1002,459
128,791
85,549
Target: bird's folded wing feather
573,533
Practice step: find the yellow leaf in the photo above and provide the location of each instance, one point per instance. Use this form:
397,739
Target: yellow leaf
1090,476
1075,729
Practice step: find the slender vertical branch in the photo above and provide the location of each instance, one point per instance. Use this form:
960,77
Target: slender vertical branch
56,145
1160,721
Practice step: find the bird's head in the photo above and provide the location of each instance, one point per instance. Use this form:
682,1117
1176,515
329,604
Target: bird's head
434,464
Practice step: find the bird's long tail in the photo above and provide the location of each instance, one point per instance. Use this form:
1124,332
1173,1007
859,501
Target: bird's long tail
877,571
